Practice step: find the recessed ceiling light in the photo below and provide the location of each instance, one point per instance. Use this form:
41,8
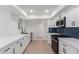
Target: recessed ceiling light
46,11
31,11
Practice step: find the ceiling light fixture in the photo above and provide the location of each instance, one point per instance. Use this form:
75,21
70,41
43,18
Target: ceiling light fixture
31,11
46,11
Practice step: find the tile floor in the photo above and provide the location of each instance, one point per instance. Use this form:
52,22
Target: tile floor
38,47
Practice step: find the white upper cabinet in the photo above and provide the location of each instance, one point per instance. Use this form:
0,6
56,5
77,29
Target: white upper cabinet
72,18
69,19
76,16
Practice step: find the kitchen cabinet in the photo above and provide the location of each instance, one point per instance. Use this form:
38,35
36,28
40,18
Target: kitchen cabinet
6,50
17,46
76,16
14,51
71,49
13,48
72,17
22,44
70,21
65,48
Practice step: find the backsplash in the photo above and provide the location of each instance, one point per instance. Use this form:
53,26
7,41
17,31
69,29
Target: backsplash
73,32
69,31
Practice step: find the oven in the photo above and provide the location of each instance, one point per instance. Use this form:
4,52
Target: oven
54,43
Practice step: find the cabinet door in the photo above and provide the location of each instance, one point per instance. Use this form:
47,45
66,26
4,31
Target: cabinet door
28,39
24,42
60,46
17,47
71,50
72,18
6,50
70,21
65,48
76,16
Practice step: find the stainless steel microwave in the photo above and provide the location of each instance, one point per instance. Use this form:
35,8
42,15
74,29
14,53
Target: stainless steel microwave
61,22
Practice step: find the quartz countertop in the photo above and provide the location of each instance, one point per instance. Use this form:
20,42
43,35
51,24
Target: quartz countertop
54,34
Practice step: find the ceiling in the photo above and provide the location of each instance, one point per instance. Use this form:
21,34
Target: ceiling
41,11
38,10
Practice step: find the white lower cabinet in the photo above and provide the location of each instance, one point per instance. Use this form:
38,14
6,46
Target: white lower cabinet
16,47
65,48
25,42
6,50
22,44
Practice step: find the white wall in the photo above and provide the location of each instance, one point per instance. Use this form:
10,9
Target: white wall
35,27
38,27
8,22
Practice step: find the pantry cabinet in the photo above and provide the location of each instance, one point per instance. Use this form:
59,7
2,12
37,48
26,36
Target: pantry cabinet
65,48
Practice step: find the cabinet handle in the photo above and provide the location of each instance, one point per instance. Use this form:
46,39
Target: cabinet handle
13,51
64,45
20,44
6,50
64,50
73,23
